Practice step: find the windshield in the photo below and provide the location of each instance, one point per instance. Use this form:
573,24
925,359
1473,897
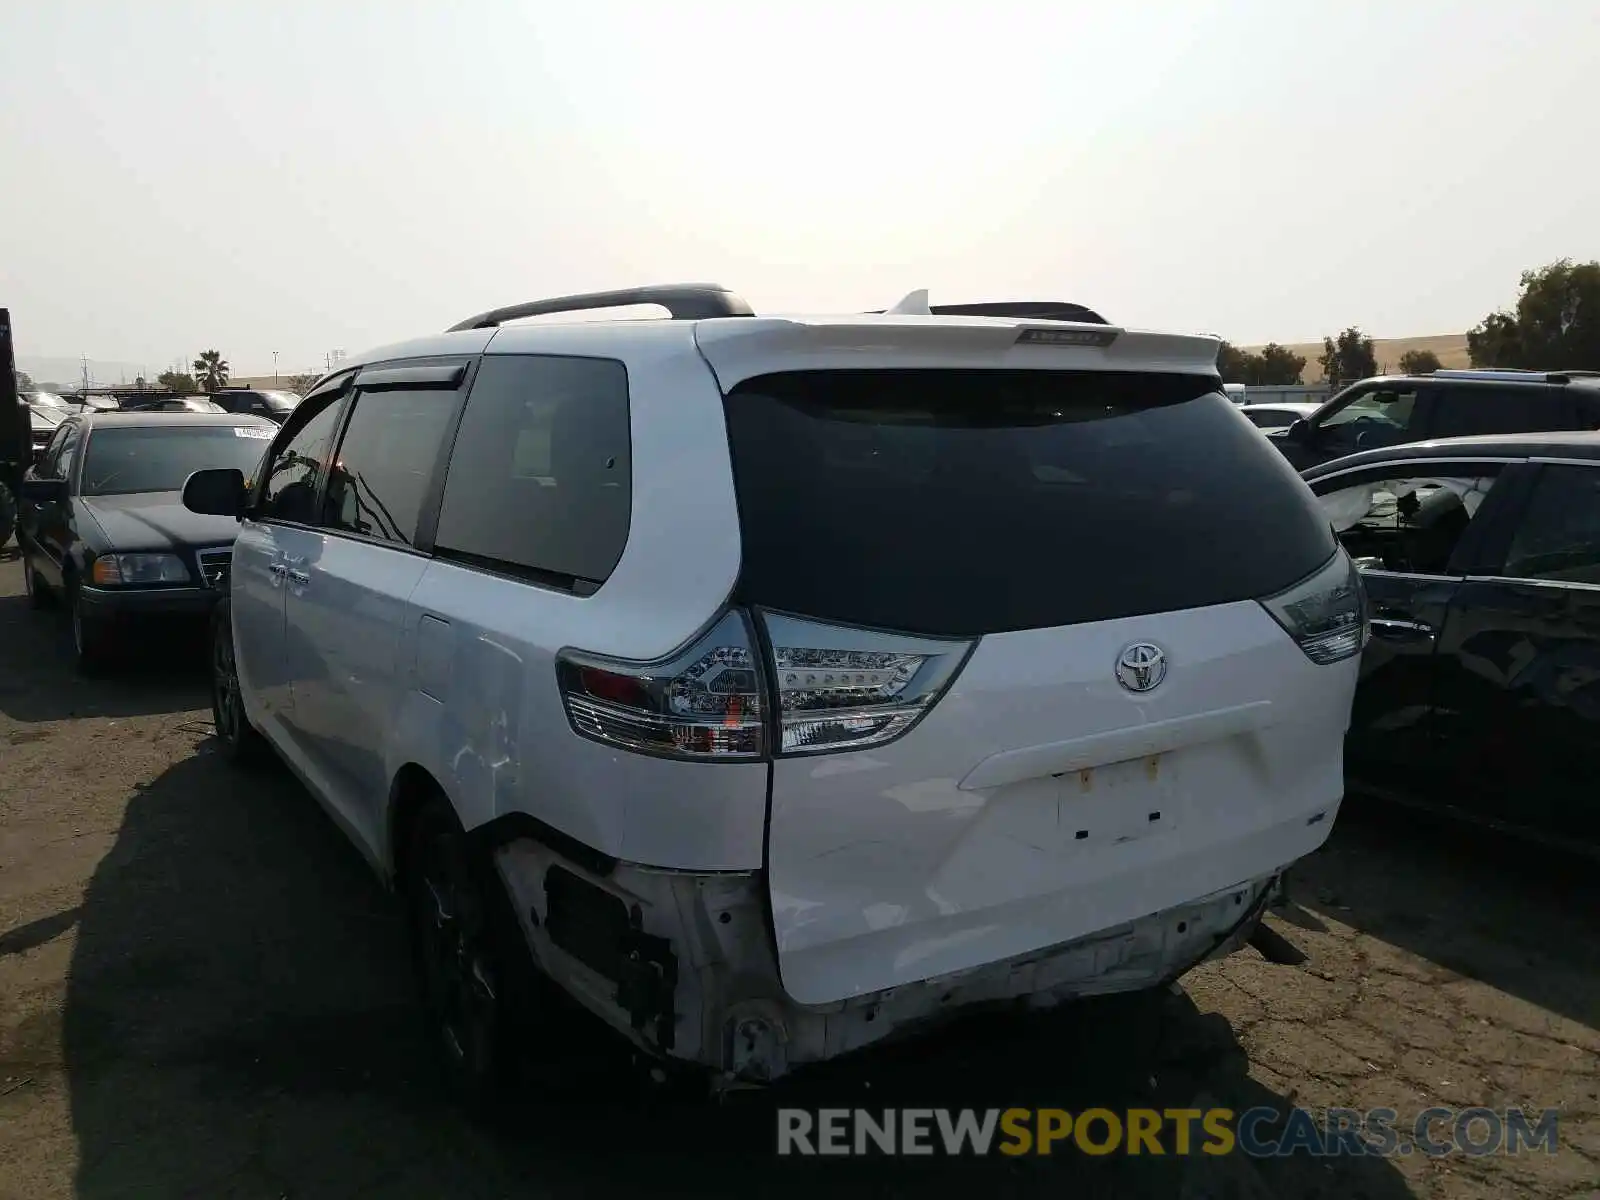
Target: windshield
45,418
281,401
159,458
972,502
47,400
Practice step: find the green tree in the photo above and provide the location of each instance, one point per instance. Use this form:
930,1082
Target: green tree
301,384
24,381
1348,357
1555,324
1231,364
177,381
1419,362
1273,365
211,369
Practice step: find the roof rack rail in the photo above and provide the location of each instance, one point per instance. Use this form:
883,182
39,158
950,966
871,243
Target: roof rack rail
1025,310
685,301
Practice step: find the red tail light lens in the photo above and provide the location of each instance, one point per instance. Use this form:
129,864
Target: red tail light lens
838,689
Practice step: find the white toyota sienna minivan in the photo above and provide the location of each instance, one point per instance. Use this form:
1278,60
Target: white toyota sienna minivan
770,684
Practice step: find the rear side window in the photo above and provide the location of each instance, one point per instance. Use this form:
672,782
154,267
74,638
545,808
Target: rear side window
1559,536
381,475
540,478
1463,411
972,502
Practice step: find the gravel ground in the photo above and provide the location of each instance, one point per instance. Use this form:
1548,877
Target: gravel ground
203,993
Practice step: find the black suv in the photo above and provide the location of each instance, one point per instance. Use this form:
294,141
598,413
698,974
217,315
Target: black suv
1393,409
261,402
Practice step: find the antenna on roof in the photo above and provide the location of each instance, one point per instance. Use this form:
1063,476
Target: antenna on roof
913,304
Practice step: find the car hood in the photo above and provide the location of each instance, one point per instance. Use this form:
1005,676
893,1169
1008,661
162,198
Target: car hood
150,520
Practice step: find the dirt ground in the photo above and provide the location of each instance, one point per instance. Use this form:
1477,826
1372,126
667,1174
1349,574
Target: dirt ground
203,993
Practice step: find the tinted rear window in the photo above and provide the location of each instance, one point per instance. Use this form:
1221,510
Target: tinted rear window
540,478
970,502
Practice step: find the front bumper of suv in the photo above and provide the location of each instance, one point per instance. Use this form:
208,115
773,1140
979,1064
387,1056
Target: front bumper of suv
683,963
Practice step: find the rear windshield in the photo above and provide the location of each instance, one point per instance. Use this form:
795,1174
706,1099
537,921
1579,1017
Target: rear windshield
972,502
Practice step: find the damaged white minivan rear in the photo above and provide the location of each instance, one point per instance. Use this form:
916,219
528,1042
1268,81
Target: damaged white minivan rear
777,685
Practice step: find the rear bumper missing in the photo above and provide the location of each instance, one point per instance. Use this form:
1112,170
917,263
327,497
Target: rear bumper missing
683,963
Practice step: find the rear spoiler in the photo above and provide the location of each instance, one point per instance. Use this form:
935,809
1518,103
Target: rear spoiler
1016,310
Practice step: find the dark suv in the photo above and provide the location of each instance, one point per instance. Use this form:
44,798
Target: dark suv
261,402
1392,409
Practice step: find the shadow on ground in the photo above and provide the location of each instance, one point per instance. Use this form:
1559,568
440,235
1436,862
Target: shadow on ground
239,1022
162,668
1520,917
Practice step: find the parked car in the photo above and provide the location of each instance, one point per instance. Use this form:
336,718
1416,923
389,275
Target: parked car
772,685
1391,410
1277,416
103,526
272,404
1480,690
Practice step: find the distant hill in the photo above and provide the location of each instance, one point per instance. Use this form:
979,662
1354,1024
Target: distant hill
1450,347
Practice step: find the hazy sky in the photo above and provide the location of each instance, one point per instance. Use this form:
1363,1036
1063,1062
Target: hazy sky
297,176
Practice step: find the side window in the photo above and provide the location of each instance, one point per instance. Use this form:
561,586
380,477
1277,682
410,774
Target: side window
1463,411
49,462
1382,417
1558,537
541,475
1409,524
380,476
67,453
289,485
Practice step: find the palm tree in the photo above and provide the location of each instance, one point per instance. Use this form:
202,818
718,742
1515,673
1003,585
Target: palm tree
211,369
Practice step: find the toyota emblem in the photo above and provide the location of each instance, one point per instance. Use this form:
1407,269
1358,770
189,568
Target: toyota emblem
1141,667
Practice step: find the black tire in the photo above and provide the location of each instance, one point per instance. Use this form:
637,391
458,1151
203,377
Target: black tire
479,988
241,744
92,641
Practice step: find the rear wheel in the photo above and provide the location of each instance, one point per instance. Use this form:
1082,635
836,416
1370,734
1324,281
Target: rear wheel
238,738
474,971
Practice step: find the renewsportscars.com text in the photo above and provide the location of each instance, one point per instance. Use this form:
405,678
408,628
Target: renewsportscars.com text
1257,1132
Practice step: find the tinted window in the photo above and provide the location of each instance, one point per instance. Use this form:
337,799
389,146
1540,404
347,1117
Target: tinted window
540,477
385,463
66,452
1380,417
159,458
289,491
969,502
1559,536
1461,411
50,464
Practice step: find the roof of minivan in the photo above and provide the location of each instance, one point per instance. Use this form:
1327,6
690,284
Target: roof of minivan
855,339
1496,445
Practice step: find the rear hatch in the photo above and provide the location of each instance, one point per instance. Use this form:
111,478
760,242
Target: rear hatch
1027,684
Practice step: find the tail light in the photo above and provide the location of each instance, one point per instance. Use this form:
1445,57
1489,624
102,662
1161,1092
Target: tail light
1325,613
837,688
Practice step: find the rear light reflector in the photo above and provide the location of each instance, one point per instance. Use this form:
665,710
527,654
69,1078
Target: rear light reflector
1326,613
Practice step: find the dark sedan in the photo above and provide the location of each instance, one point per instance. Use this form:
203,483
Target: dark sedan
1480,687
103,523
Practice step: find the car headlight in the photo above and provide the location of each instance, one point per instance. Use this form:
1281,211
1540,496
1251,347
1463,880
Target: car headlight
136,569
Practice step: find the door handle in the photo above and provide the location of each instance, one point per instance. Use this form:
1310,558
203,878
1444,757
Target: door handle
300,577
1396,630
279,569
